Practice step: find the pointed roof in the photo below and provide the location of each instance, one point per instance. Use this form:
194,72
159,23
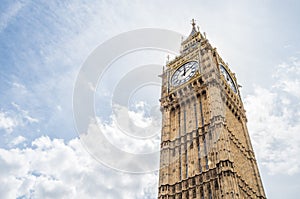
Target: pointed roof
195,35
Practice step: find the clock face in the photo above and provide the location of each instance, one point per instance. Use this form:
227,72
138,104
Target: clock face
184,73
228,79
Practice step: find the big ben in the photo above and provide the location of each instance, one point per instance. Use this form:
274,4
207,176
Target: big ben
206,150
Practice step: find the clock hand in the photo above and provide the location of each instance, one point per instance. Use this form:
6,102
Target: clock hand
184,70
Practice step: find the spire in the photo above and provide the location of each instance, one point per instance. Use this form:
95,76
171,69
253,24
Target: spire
194,28
193,23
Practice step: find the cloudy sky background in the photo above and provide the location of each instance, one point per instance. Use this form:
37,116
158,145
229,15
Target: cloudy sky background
43,45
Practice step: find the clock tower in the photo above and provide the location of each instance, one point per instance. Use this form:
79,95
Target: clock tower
205,146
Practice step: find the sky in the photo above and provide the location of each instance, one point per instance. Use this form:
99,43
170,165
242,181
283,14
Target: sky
44,46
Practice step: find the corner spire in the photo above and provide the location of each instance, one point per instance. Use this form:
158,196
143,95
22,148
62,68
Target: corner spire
193,23
194,27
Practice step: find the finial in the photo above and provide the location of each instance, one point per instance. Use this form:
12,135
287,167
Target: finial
204,33
193,23
168,58
198,28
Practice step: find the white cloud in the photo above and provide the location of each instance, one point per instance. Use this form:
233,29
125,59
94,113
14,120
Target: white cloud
17,140
7,123
24,115
287,75
54,169
132,131
12,119
138,116
109,144
19,86
274,122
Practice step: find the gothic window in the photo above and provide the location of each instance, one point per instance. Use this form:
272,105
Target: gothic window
196,117
209,192
216,184
199,155
201,193
186,161
180,171
204,94
200,167
194,193
184,120
205,152
186,170
201,112
204,142
179,132
206,162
